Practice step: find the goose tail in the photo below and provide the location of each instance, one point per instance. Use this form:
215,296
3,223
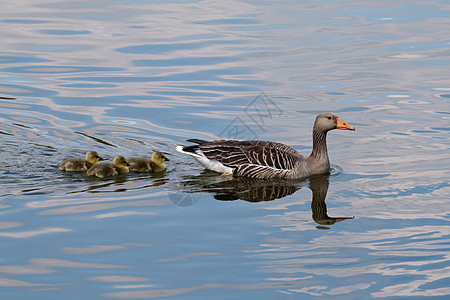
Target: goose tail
197,153
191,150
197,141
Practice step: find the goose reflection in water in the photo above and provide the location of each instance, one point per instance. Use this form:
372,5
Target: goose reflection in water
225,188
319,187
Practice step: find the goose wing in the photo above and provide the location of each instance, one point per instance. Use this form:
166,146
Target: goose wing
258,159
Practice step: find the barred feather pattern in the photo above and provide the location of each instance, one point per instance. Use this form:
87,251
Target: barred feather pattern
256,159
267,193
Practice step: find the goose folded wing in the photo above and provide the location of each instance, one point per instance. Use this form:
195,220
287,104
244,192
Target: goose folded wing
260,154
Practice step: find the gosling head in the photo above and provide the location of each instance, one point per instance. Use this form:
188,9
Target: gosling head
120,162
93,157
159,157
327,121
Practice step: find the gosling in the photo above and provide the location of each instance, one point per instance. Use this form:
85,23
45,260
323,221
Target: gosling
148,165
80,164
119,166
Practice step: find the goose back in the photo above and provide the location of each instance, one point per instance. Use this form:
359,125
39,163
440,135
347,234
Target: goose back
103,169
119,166
140,164
143,164
80,164
75,165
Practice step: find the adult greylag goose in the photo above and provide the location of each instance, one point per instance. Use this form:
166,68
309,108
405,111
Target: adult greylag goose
79,164
154,164
119,166
266,160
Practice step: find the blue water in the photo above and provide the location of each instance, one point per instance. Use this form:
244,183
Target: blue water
130,77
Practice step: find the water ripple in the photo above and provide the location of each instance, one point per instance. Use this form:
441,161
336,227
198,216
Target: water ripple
141,76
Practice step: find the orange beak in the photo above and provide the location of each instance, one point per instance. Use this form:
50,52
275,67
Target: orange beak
341,124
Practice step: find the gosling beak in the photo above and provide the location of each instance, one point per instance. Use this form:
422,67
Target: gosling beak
101,158
128,164
341,124
166,159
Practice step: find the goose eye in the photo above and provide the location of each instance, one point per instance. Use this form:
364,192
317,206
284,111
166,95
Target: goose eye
329,118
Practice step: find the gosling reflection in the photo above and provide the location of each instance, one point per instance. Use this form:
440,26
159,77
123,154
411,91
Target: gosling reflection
117,183
319,188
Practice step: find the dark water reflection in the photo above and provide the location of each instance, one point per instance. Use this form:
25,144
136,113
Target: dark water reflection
227,188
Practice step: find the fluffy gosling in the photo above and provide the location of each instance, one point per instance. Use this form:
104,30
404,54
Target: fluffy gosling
148,165
80,164
119,166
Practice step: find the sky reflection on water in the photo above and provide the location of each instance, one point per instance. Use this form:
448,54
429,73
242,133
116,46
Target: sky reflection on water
129,77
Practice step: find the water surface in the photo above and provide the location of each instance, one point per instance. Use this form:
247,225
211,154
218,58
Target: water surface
129,77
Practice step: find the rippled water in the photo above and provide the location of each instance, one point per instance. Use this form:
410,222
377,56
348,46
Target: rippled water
129,77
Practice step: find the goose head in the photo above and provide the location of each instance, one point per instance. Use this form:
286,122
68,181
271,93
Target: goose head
328,121
120,162
159,157
93,157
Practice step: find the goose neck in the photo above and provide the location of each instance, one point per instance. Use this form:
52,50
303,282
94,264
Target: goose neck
319,150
